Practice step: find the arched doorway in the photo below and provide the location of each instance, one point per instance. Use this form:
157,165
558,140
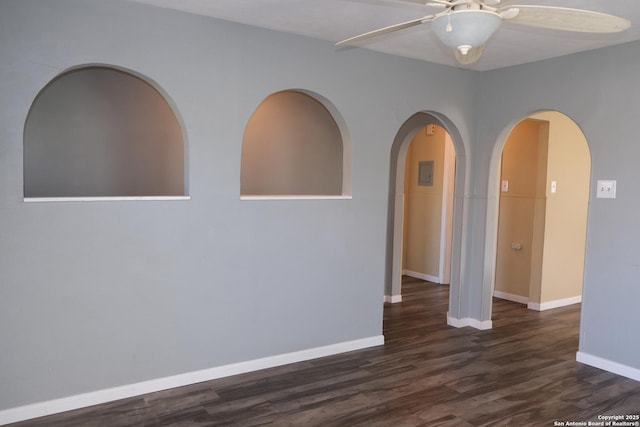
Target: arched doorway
428,205
541,214
396,204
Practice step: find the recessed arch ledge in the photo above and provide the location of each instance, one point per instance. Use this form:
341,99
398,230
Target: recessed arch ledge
179,190
321,113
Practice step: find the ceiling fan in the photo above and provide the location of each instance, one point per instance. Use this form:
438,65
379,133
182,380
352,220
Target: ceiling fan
466,25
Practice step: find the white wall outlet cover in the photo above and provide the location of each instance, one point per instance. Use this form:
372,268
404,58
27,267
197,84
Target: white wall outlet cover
431,129
606,189
505,186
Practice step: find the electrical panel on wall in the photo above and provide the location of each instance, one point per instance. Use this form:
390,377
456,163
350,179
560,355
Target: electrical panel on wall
425,173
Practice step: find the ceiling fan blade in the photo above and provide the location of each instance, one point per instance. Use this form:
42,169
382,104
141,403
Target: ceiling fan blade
405,4
508,12
471,57
385,30
562,18
437,3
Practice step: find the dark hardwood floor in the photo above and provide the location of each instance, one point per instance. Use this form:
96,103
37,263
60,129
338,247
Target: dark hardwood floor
521,373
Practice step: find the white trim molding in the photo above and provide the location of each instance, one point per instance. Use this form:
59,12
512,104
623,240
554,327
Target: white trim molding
554,304
482,325
608,365
421,276
457,323
106,199
511,297
297,197
393,298
42,409
467,321
538,306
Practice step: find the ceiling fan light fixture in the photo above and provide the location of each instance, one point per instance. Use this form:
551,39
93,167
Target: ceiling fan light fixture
465,29
464,49
472,56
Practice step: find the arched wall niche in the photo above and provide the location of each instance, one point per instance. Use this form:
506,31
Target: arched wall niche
493,208
101,131
295,145
399,149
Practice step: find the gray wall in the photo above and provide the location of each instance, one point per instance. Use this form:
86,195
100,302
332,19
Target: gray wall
95,295
600,92
100,294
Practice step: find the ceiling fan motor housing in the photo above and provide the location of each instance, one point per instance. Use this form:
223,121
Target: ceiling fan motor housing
465,29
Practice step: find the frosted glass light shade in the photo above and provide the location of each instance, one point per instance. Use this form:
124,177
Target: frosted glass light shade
464,29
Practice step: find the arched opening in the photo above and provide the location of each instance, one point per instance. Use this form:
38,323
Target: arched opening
294,145
428,205
422,122
540,219
99,131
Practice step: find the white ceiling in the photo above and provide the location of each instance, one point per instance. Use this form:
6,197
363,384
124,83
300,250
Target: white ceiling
334,20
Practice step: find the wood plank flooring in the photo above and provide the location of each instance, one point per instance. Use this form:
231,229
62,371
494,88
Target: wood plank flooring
521,373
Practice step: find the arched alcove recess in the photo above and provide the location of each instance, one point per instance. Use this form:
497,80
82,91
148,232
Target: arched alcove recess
393,292
101,131
295,144
542,224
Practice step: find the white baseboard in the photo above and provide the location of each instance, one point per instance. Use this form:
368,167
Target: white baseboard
554,304
537,306
483,325
608,365
42,409
393,298
421,276
467,321
511,297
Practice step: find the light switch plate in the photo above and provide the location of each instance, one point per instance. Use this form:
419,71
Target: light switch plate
606,189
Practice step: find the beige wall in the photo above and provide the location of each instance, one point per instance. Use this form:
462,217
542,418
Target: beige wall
539,213
551,227
447,209
426,206
520,167
569,164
